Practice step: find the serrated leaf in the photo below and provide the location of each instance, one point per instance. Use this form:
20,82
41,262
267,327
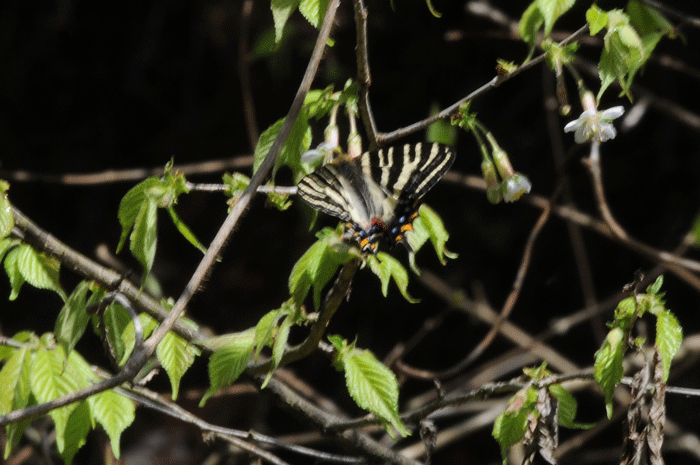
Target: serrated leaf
374,388
39,270
317,267
552,10
13,274
264,330
73,318
387,267
655,288
75,433
430,221
15,390
115,413
227,363
14,381
48,382
185,230
608,365
510,426
298,142
278,347
509,429
267,137
597,19
281,11
177,356
530,23
567,408
130,206
144,235
669,336
313,11
8,244
7,221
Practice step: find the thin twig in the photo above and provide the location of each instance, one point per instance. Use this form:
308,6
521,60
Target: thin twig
363,74
127,175
388,137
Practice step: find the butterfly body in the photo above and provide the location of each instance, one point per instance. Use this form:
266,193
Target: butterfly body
377,194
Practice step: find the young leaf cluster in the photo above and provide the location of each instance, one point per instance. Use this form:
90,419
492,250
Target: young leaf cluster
609,358
40,371
139,218
524,411
629,39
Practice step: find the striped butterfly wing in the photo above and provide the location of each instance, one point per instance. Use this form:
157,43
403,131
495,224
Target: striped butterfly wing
340,189
407,173
377,193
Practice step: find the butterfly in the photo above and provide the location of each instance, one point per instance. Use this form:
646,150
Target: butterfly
377,194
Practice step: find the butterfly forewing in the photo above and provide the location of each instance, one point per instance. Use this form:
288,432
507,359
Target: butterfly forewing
407,173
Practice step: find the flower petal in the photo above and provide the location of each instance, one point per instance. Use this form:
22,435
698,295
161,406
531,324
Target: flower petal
612,113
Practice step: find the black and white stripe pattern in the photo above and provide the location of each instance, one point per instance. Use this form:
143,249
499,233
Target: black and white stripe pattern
377,194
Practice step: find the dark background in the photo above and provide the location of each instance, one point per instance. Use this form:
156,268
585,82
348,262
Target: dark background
89,86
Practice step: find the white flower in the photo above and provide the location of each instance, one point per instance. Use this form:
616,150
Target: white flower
595,125
515,186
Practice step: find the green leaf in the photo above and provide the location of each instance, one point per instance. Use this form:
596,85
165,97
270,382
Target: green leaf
510,426
144,236
656,287
386,267
647,20
73,319
49,381
442,130
597,19
185,230
7,244
567,408
13,273
264,330
177,356
39,270
298,142
15,390
115,413
130,206
75,433
265,141
318,266
7,221
530,23
278,347
669,336
552,10
372,386
228,362
281,11
608,364
313,11
430,225
116,319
